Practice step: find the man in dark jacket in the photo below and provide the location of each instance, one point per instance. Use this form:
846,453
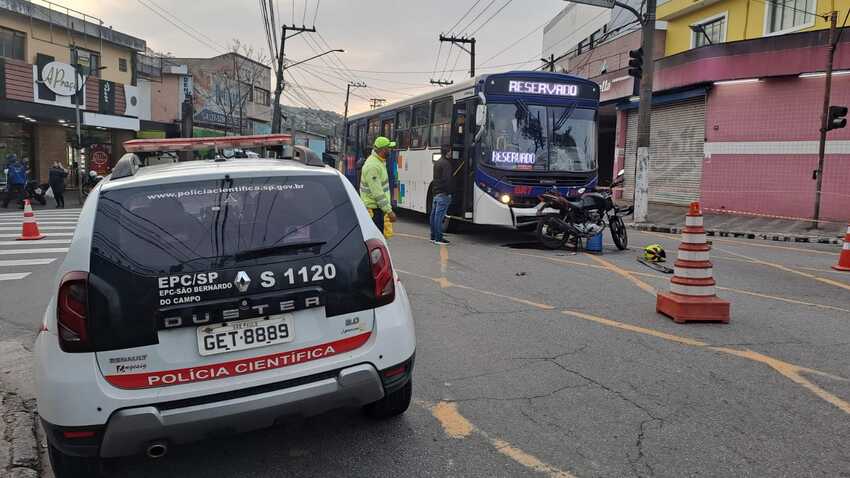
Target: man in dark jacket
16,177
443,188
56,179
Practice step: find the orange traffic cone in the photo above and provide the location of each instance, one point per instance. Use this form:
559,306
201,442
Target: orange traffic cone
844,258
30,227
692,294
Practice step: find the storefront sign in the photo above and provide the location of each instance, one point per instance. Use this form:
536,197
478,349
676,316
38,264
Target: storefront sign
99,158
107,97
59,78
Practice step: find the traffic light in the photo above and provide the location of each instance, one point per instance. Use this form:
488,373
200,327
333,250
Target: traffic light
835,119
636,63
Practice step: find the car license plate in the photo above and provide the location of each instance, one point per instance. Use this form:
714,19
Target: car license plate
245,334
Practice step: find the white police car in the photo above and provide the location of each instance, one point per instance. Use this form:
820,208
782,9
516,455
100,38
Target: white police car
209,297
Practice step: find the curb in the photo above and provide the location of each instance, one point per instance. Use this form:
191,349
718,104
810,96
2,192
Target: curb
19,456
765,236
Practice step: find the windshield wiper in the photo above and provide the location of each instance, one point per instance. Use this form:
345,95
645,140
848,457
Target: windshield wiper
275,250
564,117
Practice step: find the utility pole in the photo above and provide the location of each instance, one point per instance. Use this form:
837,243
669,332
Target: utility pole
550,62
351,84
641,205
459,42
376,103
278,89
833,18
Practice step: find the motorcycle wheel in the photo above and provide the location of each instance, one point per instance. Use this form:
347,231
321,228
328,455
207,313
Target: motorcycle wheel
549,236
618,233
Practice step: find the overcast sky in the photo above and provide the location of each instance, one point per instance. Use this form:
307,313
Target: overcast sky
387,38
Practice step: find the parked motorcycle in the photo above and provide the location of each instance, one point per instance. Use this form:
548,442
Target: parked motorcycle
36,192
561,219
89,182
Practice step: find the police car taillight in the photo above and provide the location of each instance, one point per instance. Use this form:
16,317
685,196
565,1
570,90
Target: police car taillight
71,307
382,271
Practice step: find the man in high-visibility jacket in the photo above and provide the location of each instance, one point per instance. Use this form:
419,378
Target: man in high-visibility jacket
375,182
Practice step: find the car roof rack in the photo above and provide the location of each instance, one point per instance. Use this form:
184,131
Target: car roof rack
126,166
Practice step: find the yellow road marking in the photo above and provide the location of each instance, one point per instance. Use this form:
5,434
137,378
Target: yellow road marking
660,277
457,426
786,369
445,284
444,258
743,243
454,424
824,280
626,274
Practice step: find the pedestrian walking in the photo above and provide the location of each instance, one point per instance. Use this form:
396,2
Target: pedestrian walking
16,177
56,179
375,182
442,189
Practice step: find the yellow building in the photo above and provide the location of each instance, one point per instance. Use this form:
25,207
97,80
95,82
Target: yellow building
691,24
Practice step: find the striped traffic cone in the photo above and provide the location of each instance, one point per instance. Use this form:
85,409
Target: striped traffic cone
844,258
30,227
692,296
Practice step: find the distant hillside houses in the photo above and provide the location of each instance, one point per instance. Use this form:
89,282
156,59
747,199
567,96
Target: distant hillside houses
321,122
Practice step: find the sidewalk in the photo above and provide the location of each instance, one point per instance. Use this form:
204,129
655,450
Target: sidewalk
671,219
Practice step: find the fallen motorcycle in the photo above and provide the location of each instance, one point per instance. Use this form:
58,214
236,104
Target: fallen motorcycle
561,220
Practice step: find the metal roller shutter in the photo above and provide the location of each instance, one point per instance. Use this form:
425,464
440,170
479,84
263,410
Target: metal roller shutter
677,140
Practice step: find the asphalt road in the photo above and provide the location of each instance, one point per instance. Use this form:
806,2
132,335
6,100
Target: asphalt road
545,363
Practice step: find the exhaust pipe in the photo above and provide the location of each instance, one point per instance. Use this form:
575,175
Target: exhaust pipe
157,450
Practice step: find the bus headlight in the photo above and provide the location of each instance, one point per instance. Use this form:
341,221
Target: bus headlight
506,199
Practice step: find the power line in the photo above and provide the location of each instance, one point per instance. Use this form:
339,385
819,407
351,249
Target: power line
316,13
461,19
213,46
491,17
477,17
304,15
516,42
190,27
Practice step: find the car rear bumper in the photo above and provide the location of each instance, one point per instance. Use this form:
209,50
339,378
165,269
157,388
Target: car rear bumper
131,431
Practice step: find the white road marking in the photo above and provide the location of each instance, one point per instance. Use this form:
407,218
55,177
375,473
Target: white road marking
40,241
46,250
26,262
14,276
52,234
40,228
40,222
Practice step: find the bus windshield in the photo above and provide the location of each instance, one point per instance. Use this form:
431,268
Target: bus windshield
521,137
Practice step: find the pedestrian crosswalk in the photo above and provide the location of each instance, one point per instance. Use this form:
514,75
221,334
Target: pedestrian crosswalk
19,259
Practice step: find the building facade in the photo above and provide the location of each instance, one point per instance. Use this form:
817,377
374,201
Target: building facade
231,94
736,108
52,60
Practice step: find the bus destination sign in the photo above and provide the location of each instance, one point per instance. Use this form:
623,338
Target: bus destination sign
541,88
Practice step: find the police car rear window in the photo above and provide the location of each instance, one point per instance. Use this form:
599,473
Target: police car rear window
204,224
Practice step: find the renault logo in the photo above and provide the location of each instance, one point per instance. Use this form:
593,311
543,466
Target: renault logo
242,281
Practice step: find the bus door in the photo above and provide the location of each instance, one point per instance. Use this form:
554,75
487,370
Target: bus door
463,158
388,131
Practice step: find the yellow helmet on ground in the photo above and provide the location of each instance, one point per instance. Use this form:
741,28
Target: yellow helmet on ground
654,253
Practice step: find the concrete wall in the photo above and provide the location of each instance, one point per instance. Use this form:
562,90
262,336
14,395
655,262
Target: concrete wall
761,148
55,41
165,99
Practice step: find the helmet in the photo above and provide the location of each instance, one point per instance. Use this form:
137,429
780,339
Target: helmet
654,253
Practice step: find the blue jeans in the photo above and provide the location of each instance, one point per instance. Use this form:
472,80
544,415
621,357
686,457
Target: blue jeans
439,208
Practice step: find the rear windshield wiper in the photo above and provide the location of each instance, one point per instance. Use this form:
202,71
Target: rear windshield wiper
274,250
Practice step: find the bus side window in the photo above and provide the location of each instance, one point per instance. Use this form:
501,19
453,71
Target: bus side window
388,129
403,128
372,131
441,117
419,131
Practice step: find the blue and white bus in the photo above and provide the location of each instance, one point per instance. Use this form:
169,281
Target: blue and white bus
514,135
